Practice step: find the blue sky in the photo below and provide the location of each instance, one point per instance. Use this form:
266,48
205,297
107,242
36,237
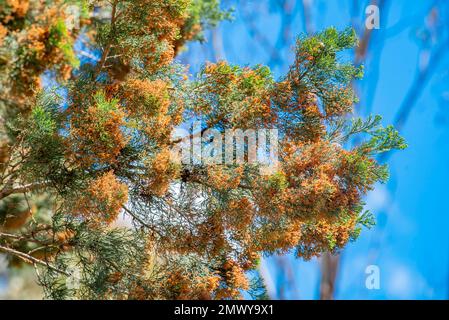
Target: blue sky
410,243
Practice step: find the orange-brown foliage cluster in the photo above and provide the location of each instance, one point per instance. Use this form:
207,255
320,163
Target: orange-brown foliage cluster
102,200
3,33
156,33
96,135
41,43
148,107
222,179
19,8
234,279
251,108
161,172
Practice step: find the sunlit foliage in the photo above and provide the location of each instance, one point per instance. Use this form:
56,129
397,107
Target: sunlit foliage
97,147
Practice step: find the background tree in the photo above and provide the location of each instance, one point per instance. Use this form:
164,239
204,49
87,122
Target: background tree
409,48
98,144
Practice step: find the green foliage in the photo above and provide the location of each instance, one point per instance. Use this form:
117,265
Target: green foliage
42,131
205,13
103,104
229,95
324,69
99,255
257,289
278,181
60,38
379,140
365,219
383,140
44,116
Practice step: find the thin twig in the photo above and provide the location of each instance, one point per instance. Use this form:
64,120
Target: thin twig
106,50
32,260
143,223
23,189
